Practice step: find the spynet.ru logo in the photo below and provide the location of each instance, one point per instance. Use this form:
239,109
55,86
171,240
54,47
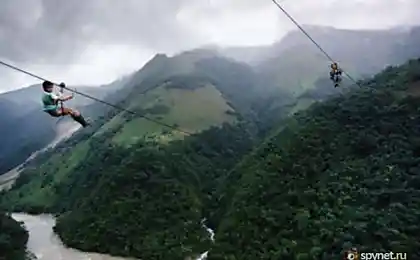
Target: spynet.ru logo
353,254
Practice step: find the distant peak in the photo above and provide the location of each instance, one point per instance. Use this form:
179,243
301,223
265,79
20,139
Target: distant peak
157,59
159,56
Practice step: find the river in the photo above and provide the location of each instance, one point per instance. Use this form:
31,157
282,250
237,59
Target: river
46,245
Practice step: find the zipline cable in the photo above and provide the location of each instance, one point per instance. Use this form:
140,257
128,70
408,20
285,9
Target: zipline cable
312,40
99,100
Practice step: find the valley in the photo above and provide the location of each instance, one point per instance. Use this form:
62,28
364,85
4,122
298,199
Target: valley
278,162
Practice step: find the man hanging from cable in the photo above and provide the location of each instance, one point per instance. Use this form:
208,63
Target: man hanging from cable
51,106
335,74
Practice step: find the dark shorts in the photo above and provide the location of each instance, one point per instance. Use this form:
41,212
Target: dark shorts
54,113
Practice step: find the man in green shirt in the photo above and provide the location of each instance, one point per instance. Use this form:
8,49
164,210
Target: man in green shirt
51,106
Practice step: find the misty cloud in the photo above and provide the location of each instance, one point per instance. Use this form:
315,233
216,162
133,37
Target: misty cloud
56,31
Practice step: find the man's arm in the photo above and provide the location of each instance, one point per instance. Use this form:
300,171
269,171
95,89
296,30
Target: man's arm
60,97
67,97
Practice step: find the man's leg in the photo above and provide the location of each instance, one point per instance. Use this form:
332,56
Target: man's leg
54,113
75,115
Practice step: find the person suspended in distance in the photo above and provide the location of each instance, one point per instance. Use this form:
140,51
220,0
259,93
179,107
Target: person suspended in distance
335,74
50,101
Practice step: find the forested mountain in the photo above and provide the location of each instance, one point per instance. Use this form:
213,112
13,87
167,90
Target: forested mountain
338,175
342,174
13,239
291,187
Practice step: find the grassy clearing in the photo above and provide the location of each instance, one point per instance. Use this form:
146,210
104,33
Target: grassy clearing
191,110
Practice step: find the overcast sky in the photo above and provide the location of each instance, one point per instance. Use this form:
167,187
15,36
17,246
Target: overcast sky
96,41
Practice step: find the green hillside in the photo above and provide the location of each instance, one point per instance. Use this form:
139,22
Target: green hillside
343,174
191,110
205,90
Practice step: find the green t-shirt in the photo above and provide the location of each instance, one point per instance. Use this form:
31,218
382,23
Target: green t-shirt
49,100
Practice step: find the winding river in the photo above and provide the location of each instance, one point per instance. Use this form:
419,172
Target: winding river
46,245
